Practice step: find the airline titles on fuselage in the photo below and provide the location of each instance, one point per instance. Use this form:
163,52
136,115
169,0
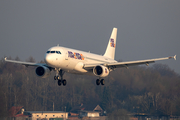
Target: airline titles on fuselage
75,55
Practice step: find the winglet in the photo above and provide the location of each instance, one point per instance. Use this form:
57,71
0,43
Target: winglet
174,57
5,58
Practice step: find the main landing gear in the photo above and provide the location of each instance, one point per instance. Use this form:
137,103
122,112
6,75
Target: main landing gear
100,81
60,73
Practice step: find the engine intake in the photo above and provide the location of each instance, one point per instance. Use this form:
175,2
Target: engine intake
101,71
43,71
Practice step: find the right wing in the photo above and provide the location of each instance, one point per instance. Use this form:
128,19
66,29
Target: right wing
26,63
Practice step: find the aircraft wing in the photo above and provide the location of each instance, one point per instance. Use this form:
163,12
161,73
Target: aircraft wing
25,63
129,63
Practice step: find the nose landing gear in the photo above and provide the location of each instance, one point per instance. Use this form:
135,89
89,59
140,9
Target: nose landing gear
60,73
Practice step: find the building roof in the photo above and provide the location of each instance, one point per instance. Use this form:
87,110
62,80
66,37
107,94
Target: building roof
15,110
46,112
92,108
21,115
89,111
86,107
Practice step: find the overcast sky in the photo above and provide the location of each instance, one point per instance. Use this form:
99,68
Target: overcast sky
146,28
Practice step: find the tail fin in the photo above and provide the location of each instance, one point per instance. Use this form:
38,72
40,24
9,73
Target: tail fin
110,50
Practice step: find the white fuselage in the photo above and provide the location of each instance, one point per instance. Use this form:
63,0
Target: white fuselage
71,60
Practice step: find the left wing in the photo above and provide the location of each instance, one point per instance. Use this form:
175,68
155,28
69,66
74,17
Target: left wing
25,63
129,63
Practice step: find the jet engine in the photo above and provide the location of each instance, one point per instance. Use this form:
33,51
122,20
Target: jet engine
43,71
101,71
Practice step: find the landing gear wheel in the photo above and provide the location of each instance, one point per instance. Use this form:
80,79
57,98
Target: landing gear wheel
64,82
102,82
59,82
59,77
97,82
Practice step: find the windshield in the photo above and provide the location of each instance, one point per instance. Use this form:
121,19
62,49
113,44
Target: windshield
57,52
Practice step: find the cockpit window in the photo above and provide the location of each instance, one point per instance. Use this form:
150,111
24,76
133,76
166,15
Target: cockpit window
58,52
52,51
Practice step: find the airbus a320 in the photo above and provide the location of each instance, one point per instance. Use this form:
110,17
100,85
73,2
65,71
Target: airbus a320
62,59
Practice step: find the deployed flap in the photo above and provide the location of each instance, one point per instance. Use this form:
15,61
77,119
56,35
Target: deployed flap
110,50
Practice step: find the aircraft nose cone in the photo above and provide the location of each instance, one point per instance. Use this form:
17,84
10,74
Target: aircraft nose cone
48,59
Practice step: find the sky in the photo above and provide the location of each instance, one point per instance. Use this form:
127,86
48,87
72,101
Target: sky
146,28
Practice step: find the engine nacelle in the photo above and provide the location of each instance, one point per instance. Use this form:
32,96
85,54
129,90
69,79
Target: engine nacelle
101,71
43,71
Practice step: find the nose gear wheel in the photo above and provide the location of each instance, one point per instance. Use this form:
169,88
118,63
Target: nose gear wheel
59,77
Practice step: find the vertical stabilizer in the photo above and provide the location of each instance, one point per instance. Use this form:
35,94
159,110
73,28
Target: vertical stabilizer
110,50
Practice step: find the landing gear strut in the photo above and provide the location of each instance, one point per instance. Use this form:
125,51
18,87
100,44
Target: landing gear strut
60,73
100,81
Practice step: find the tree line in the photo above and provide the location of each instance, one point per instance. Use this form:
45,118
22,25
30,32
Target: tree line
153,90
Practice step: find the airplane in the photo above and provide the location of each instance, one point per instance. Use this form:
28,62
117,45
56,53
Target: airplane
62,59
